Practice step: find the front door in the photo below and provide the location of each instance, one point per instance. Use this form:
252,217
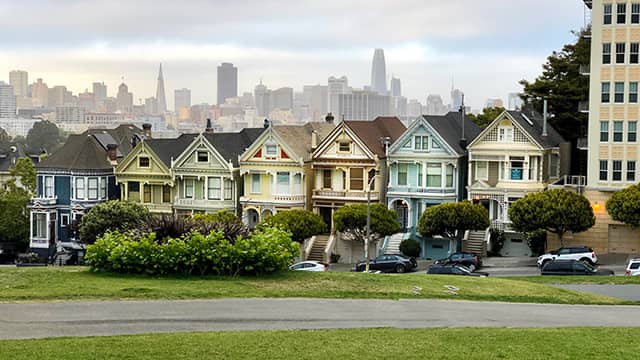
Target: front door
402,210
325,213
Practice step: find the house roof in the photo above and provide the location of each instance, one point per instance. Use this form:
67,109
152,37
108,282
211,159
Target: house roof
168,149
371,132
231,145
449,127
298,137
87,151
10,152
534,128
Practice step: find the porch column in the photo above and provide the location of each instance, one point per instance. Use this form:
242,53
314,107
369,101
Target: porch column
424,174
223,180
525,171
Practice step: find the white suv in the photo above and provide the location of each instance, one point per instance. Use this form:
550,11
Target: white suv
633,267
580,253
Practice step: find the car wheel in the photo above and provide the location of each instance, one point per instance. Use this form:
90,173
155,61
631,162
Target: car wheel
587,261
400,269
544,262
472,267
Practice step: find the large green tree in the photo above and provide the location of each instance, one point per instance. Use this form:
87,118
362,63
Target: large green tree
451,220
302,224
352,220
486,117
564,87
14,199
44,136
624,205
24,172
558,211
112,215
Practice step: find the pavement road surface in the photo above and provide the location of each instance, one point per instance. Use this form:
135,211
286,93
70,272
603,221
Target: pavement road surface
54,319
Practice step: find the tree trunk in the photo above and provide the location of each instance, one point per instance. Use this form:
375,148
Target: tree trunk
560,235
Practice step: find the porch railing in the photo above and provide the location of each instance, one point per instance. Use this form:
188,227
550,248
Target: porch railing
345,194
501,225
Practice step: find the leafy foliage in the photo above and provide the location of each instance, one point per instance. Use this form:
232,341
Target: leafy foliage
352,220
25,172
167,226
558,211
497,241
536,241
112,215
486,117
223,221
449,219
302,224
624,205
410,247
44,136
14,199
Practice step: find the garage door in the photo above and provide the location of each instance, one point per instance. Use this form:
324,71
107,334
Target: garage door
435,248
515,246
623,239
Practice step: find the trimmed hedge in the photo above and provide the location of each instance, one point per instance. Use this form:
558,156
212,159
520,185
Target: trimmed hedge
263,252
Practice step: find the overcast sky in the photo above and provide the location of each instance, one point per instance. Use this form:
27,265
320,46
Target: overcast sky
486,46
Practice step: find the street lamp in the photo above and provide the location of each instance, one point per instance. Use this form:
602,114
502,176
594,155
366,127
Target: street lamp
366,239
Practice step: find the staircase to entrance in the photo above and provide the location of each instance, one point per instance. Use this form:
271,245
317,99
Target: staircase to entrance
393,247
317,250
475,243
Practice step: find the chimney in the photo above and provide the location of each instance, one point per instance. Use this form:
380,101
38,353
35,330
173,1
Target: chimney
209,128
134,140
329,118
544,117
146,128
314,140
266,123
112,152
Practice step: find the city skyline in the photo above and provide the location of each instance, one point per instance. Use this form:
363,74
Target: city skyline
425,55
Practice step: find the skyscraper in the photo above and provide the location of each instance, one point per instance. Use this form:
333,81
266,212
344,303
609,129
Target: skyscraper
19,79
262,97
335,87
396,87
124,98
456,99
40,93
7,101
160,97
435,105
227,82
379,73
282,98
99,91
182,98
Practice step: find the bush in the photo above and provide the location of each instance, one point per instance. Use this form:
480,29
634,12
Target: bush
223,221
537,241
302,224
112,215
410,248
497,241
265,251
167,226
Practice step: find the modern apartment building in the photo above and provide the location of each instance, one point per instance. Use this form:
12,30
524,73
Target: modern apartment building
7,101
227,82
19,79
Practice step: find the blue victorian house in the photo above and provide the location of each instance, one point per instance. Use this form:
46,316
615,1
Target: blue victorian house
427,166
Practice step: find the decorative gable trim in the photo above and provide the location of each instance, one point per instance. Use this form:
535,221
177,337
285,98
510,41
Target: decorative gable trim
269,137
407,137
494,126
199,143
342,131
131,158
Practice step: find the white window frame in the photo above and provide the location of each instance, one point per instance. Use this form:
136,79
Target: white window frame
406,174
79,191
297,184
95,181
419,142
228,189
189,184
482,172
198,152
268,154
505,134
434,166
104,183
62,220
214,188
283,187
40,230
256,186
144,157
49,188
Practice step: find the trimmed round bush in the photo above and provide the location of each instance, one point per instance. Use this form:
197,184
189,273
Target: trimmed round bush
410,248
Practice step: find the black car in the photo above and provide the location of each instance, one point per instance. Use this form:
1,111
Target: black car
572,267
454,269
390,263
470,260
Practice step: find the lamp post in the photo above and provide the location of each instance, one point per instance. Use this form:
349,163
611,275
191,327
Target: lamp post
368,231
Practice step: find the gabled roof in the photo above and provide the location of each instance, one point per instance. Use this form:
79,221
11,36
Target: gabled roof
298,137
449,127
231,145
371,132
10,152
534,128
168,149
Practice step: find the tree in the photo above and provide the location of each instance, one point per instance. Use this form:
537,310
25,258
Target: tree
302,224
112,215
224,221
14,199
558,211
44,136
564,87
451,220
624,205
24,172
486,117
352,220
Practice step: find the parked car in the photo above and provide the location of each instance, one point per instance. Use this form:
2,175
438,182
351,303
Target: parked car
633,267
572,267
454,269
390,263
470,260
581,253
309,265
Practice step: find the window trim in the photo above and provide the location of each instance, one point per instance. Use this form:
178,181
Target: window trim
81,188
605,92
255,184
616,171
144,193
419,142
621,49
631,173
635,13
618,97
192,187
606,53
267,153
148,160
621,16
406,174
632,134
618,131
607,12
633,92
356,179
486,170
212,189
344,147
64,223
97,188
202,152
281,175
603,170
45,193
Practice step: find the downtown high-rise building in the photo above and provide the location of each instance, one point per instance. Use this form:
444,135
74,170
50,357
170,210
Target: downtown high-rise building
262,96
514,102
182,99
457,98
434,105
396,87
362,105
19,79
227,82
316,98
40,93
124,99
7,101
494,103
336,86
161,99
282,98
99,91
379,73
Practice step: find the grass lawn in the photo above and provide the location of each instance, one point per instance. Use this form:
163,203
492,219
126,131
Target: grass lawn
613,280
472,343
78,283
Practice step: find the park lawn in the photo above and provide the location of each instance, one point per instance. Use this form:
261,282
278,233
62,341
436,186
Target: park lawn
386,343
79,283
583,280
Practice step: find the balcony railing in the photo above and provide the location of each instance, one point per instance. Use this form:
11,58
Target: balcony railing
202,203
345,194
159,208
583,106
421,190
289,198
501,225
44,201
585,69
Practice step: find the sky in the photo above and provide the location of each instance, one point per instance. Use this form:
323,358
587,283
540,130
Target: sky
486,46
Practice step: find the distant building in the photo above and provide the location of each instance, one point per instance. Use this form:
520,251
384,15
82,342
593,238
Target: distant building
227,82
99,92
7,101
161,99
336,86
515,101
379,73
262,97
396,87
87,100
456,99
60,96
492,103
182,99
435,106
362,105
414,108
316,98
40,93
282,98
124,98
19,79
150,105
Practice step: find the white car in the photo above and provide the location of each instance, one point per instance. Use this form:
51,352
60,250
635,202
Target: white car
580,253
309,265
633,267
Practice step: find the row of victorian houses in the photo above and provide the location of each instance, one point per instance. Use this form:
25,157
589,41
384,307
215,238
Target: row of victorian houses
319,166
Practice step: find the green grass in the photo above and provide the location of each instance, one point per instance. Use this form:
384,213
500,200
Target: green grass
581,280
72,283
472,343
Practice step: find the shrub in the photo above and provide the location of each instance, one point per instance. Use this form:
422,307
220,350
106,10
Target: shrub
537,241
303,224
410,248
112,215
497,241
167,226
223,221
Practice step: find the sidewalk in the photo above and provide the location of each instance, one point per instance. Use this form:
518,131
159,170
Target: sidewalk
509,261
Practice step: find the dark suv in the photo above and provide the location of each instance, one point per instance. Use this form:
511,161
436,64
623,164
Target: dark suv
572,267
471,261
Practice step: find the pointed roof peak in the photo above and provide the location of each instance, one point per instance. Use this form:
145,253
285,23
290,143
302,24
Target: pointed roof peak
160,72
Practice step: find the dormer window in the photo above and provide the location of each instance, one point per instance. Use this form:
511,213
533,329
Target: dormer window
143,162
421,142
203,156
344,146
505,134
271,150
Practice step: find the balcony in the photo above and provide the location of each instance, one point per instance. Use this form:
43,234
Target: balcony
203,203
40,201
421,190
583,106
585,69
289,198
159,208
570,182
502,225
345,195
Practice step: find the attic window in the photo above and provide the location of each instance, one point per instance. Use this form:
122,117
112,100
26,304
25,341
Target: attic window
203,157
505,134
143,162
344,146
421,143
272,150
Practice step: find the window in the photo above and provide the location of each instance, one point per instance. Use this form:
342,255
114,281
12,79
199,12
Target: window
297,184
517,164
228,189
620,53
188,188
631,171
79,183
618,95
606,53
92,190
356,179
617,131
344,146
449,174
505,134
419,175
402,174
553,165
633,92
604,170
40,225
631,131
133,186
64,220
143,162
434,175
421,143
326,179
256,184
146,193
633,52
271,150
166,193
481,170
622,13
203,157
606,92
48,187
635,13
213,188
282,182
607,14
103,188
617,170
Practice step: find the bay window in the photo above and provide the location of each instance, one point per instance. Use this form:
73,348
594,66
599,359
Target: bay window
434,175
213,188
